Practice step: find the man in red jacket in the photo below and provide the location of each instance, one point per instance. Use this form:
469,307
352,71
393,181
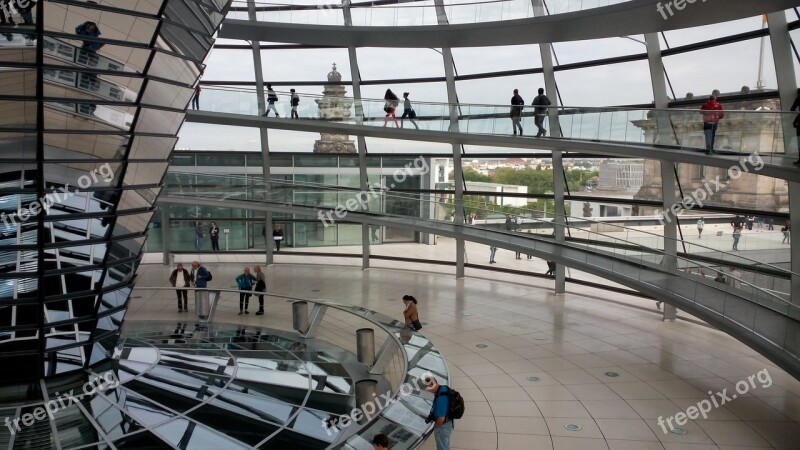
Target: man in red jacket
712,113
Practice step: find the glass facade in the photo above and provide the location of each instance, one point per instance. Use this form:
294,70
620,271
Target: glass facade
94,95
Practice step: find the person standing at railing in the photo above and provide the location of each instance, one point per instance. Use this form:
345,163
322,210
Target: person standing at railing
245,283
89,29
737,234
541,102
180,279
272,97
713,112
517,104
390,106
295,101
408,111
700,225
796,124
196,97
261,287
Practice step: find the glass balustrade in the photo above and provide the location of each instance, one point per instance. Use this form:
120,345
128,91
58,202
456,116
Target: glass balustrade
284,360
756,137
417,13
756,280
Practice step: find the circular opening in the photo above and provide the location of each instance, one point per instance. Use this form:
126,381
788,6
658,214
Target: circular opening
572,427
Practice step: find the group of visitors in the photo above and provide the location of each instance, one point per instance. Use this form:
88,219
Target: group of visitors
272,98
391,104
540,104
200,236
182,279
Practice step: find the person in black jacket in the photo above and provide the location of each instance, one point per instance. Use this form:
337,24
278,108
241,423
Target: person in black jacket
541,102
272,97
213,233
180,279
517,103
277,236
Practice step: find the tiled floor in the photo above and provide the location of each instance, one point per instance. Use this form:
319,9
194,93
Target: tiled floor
603,361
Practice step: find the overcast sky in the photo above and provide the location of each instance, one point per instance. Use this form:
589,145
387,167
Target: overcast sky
726,68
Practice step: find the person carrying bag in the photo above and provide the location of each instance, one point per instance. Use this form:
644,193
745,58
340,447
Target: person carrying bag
410,313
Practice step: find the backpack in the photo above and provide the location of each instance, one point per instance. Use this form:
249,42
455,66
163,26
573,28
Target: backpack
455,403
209,277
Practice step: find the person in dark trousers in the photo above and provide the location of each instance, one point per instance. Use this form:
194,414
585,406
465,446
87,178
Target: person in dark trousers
261,287
390,106
796,124
295,100
89,29
517,103
277,236
272,97
442,425
770,224
551,268
245,283
541,102
380,442
200,235
408,111
199,275
713,112
196,97
180,278
213,234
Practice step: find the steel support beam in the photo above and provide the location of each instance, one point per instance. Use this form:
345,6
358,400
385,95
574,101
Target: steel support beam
668,179
458,174
363,179
559,185
263,133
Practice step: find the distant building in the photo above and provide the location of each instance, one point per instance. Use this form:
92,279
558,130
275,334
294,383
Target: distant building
749,133
500,189
621,176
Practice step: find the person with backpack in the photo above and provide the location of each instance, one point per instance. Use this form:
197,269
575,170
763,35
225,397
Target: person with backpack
272,97
295,101
448,405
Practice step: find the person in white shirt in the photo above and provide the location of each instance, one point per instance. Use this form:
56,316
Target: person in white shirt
700,225
180,279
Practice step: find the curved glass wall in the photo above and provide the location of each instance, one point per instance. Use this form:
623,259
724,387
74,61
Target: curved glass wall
94,95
